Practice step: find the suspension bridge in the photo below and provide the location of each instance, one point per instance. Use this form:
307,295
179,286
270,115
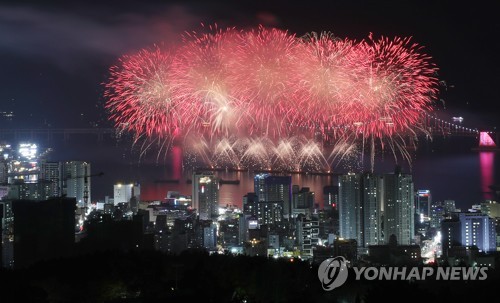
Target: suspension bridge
431,123
436,126
56,133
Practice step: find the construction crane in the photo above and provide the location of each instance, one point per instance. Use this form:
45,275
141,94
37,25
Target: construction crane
85,186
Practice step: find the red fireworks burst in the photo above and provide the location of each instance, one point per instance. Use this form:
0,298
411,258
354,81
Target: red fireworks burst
270,82
142,96
201,69
264,75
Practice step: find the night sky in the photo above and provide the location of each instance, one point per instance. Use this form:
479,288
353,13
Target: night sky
54,56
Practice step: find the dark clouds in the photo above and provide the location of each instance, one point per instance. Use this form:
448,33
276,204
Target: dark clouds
65,37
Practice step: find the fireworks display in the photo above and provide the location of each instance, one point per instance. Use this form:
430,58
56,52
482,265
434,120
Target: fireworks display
269,98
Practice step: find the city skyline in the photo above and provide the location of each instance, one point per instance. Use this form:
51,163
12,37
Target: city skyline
248,151
462,174
63,52
67,105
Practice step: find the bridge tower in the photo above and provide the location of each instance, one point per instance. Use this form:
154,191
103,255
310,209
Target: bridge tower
486,142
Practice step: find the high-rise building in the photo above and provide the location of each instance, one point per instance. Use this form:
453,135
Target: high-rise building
302,201
210,237
437,214
4,172
274,241
269,212
76,181
243,228
424,202
468,229
308,236
250,204
52,172
124,192
206,195
478,230
271,188
349,205
399,219
25,165
330,196
258,184
359,208
38,191
371,200
451,234
6,234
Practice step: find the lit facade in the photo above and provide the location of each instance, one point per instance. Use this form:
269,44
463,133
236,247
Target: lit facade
308,237
52,172
41,190
210,237
206,196
124,192
6,234
77,182
24,166
359,208
437,214
468,229
274,189
478,230
371,197
398,197
269,212
258,183
424,202
349,205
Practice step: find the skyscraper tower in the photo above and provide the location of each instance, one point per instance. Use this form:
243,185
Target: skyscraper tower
258,184
206,195
350,207
398,207
76,181
371,200
276,189
359,208
424,202
52,172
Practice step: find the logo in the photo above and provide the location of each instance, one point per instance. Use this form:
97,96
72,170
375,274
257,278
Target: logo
332,273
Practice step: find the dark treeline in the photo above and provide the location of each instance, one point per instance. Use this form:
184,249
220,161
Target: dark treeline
194,276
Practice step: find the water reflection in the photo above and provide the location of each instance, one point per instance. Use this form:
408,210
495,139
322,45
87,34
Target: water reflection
486,165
